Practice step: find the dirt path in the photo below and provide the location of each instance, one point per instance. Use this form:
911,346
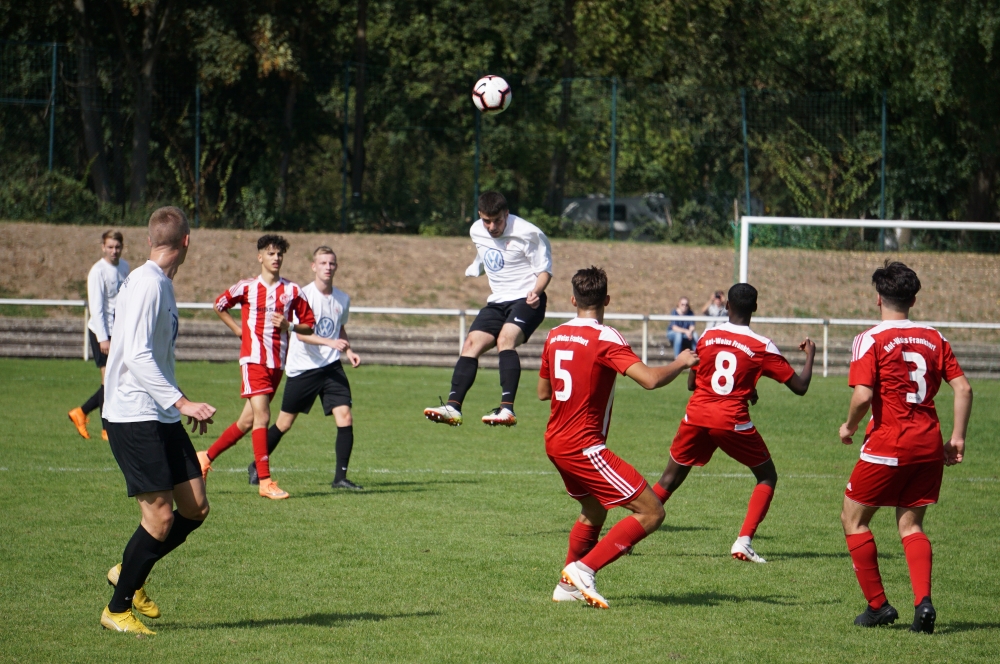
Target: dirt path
52,261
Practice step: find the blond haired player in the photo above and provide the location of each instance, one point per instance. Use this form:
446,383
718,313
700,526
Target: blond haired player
142,413
103,282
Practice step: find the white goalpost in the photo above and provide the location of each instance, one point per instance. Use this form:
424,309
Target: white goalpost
747,221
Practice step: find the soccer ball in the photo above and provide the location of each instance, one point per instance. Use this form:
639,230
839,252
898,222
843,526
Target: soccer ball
491,94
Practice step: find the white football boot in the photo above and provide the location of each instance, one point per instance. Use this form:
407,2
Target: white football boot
444,414
567,593
500,417
743,551
583,581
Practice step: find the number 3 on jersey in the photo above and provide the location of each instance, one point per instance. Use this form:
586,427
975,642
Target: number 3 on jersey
723,380
563,374
917,376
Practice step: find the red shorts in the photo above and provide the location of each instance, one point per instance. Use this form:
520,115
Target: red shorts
258,379
694,446
599,472
879,485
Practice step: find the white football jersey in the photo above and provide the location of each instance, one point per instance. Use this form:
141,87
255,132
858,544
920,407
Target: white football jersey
512,261
103,283
331,313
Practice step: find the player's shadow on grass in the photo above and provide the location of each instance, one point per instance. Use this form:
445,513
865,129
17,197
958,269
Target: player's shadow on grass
715,599
667,528
955,627
316,619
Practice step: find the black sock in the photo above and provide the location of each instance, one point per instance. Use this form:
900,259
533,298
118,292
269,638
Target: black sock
510,376
345,443
94,402
462,379
182,527
274,435
100,401
141,553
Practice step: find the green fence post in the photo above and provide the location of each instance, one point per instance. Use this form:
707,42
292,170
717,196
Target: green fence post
197,152
881,209
52,125
475,167
614,151
343,181
746,148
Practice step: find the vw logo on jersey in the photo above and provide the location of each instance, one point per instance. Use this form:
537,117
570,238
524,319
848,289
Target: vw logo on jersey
324,327
493,260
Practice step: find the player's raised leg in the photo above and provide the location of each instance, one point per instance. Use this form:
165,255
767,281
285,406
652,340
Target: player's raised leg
511,336
232,435
463,376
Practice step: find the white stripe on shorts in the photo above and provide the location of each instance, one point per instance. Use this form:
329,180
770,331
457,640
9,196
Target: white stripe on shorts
608,473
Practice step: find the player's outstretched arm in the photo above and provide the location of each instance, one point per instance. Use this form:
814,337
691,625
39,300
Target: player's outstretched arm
799,383
231,323
954,449
861,401
653,377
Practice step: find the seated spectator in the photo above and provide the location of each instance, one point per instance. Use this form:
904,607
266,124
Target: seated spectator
715,307
681,334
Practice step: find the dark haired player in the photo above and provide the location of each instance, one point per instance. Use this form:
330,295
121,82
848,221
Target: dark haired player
142,414
733,358
517,259
103,282
580,362
896,370
268,303
314,368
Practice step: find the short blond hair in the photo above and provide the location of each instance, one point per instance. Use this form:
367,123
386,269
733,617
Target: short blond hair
323,249
168,226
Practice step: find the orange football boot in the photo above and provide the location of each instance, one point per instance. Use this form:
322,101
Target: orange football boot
79,420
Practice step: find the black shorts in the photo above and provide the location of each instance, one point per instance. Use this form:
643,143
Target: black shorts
100,359
329,383
494,315
153,456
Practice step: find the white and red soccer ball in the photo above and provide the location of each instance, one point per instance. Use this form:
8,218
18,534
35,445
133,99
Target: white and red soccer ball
491,94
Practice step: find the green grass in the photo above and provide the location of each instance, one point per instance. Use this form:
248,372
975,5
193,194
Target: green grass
452,552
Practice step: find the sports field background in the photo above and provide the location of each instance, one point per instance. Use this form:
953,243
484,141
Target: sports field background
451,553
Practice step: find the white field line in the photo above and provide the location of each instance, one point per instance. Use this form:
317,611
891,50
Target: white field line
445,471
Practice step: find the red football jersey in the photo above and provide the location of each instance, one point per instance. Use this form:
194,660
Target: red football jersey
732,360
262,342
582,358
904,363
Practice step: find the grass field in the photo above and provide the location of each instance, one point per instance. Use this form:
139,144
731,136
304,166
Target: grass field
451,553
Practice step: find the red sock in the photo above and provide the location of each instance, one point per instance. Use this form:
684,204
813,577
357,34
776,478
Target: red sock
229,437
760,500
581,540
865,558
918,559
660,492
260,453
612,546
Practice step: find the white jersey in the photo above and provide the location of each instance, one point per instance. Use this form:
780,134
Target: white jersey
331,313
139,382
103,283
512,261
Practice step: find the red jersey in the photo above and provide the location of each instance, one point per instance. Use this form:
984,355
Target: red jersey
582,358
904,363
732,360
262,342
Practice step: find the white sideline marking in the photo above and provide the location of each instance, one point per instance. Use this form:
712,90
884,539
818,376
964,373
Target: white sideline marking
446,471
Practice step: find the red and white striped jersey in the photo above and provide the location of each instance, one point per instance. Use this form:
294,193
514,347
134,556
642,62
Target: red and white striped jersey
904,363
582,359
262,342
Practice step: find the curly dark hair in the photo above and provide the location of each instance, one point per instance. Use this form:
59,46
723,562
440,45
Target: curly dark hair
897,284
271,240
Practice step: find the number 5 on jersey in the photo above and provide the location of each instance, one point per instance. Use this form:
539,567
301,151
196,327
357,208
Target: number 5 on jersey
563,375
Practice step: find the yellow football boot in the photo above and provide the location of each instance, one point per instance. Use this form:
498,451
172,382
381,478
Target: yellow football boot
123,622
140,600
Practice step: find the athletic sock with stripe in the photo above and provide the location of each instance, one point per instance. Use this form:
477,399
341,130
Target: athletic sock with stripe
619,540
462,379
510,376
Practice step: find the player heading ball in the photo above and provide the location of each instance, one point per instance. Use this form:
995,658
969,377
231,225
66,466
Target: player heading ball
517,259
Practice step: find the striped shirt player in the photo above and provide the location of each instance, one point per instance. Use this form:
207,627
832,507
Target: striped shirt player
269,303
732,359
581,361
263,345
516,257
896,371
